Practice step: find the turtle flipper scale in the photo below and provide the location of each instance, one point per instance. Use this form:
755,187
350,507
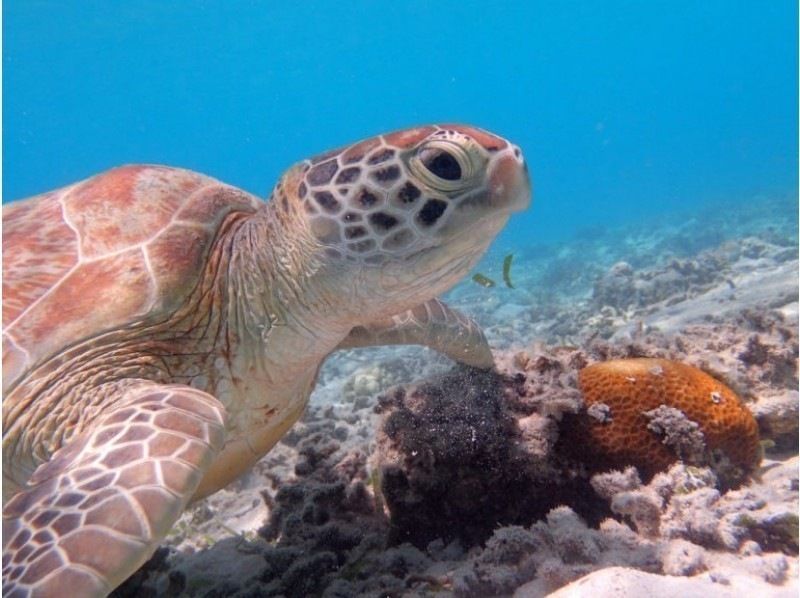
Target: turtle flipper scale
432,324
96,511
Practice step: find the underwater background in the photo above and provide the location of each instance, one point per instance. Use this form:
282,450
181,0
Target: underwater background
625,109
662,142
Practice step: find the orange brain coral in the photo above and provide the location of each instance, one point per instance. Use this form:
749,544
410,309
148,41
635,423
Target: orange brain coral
632,387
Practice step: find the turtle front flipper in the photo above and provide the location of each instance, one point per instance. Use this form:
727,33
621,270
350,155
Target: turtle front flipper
431,324
96,511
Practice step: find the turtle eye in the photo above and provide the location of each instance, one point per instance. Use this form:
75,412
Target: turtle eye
441,163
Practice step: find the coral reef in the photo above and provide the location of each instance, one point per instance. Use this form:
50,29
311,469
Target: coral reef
624,288
656,411
769,388
658,291
623,581
317,518
562,548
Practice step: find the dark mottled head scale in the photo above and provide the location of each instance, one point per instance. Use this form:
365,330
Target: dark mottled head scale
408,193
367,200
382,221
380,156
321,174
327,201
348,175
431,211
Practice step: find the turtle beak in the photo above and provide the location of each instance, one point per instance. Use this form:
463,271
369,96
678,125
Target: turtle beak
510,182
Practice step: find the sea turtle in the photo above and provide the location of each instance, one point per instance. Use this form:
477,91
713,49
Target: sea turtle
163,330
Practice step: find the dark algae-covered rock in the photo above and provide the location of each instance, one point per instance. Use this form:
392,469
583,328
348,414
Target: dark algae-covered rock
454,462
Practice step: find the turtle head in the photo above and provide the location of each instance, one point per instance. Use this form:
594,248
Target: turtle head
408,214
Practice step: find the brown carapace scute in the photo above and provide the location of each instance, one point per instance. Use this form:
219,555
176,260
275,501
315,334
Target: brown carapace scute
629,388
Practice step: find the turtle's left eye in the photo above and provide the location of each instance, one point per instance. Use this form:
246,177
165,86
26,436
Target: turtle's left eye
441,163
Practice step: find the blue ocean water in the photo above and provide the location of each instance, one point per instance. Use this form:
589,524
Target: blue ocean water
625,109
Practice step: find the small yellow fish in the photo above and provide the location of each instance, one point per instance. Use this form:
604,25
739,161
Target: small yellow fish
483,280
507,270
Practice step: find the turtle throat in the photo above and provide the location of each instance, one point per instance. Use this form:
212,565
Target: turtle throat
282,303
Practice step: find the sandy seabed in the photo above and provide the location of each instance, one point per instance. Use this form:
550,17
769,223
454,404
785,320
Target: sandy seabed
409,476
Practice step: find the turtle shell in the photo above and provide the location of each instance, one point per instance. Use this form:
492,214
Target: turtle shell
124,246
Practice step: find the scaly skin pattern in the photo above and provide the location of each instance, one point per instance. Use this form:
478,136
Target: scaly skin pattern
163,330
